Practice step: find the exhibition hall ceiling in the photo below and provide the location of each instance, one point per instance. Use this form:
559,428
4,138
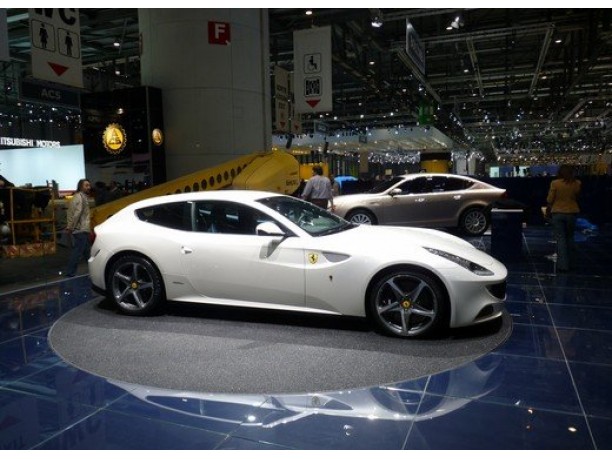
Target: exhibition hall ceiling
499,80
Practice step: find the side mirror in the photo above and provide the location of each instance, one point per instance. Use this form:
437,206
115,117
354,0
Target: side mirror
269,229
395,192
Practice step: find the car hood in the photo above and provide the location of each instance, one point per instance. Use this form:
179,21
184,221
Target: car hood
403,242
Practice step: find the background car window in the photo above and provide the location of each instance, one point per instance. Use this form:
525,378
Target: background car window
386,185
175,215
440,184
227,218
417,185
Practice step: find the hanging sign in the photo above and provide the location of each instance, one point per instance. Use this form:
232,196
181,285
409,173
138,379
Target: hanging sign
312,57
414,47
4,45
56,45
281,99
48,94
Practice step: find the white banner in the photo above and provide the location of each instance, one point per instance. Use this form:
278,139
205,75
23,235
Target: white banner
312,60
56,45
4,44
281,99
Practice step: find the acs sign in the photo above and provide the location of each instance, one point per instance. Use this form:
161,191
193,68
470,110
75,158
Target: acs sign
219,33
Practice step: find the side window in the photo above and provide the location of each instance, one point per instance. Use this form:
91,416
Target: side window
450,184
227,218
438,184
175,215
417,185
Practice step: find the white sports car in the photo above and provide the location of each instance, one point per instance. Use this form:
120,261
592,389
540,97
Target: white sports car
265,250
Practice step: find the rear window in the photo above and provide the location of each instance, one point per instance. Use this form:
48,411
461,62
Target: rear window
175,215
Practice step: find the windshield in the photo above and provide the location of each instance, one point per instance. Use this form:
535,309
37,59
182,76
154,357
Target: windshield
312,219
386,185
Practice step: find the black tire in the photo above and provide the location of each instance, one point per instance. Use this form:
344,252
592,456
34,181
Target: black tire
408,303
474,221
361,217
135,286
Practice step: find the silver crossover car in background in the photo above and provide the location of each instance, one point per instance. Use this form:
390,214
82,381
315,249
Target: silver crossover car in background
428,200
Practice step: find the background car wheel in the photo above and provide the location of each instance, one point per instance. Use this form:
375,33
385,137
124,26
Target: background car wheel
135,286
362,217
474,221
408,303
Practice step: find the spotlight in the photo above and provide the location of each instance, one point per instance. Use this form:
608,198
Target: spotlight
377,20
457,23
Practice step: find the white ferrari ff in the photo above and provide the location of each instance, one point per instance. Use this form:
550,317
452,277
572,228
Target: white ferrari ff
264,250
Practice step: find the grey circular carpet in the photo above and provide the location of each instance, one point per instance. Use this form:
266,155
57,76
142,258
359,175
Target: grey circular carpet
231,350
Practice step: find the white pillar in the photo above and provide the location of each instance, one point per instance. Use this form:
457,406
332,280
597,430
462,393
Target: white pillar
216,97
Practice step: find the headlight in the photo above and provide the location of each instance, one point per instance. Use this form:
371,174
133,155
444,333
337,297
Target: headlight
467,264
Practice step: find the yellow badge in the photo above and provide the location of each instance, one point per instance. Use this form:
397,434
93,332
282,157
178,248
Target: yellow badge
114,138
313,258
157,136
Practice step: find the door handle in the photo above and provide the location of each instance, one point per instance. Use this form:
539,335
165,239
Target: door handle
457,197
420,200
186,250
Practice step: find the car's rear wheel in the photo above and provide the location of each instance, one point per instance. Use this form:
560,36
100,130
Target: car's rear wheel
362,217
474,221
408,303
135,285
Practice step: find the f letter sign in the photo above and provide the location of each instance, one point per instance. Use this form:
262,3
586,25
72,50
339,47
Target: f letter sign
219,33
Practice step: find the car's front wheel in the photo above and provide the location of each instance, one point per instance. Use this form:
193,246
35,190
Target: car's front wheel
408,303
361,217
135,285
474,221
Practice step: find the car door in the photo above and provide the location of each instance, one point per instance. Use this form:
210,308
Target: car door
448,199
410,207
226,260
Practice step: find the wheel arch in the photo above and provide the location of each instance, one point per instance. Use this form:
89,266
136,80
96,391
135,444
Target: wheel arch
383,272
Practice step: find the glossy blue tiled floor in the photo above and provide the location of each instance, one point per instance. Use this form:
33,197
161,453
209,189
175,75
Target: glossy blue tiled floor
547,387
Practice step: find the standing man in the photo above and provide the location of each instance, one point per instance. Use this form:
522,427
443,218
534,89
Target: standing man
78,226
318,189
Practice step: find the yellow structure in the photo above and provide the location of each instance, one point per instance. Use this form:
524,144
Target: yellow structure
275,171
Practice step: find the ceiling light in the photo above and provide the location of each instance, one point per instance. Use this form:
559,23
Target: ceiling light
457,23
558,40
372,62
308,12
377,20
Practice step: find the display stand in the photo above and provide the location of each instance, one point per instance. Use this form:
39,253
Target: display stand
506,234
32,233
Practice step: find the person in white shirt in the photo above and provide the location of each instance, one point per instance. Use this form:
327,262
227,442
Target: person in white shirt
318,190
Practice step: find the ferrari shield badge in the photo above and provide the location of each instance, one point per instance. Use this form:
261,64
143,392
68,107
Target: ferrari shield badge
313,258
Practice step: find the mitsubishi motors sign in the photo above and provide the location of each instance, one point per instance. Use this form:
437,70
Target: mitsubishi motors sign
56,45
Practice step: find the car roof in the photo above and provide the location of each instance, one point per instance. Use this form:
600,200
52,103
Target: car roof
437,174
223,195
